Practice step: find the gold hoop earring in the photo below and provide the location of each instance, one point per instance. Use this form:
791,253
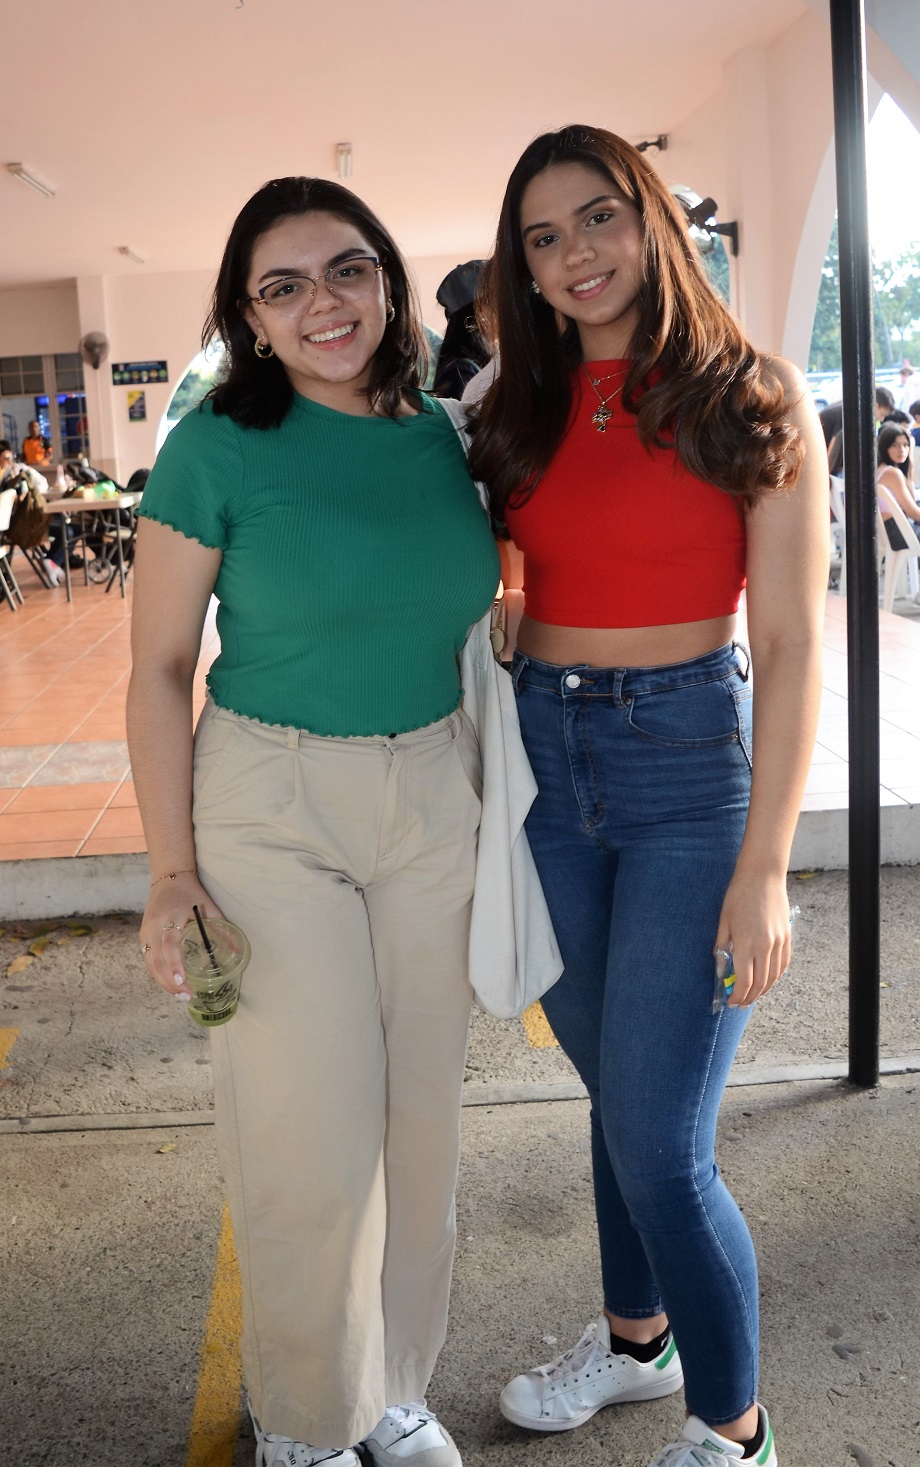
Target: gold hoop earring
262,349
391,311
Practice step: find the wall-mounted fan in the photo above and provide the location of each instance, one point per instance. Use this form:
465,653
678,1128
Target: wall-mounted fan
94,348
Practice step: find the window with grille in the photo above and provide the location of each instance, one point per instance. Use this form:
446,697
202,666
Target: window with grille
21,375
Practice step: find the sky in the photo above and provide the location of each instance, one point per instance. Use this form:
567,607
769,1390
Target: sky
893,147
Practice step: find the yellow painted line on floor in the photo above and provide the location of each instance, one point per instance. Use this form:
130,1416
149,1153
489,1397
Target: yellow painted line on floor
8,1038
216,1417
536,1026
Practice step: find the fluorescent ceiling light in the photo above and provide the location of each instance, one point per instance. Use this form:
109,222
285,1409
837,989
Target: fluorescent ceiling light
343,158
19,170
132,254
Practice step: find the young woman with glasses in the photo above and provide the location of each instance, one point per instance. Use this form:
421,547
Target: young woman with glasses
649,462
329,805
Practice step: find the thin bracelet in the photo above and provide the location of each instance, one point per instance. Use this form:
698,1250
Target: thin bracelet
171,875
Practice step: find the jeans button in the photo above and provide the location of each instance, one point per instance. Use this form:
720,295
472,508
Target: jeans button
573,680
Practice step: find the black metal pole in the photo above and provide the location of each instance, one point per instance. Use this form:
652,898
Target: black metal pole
848,50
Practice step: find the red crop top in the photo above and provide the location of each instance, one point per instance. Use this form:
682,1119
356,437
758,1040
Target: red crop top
617,535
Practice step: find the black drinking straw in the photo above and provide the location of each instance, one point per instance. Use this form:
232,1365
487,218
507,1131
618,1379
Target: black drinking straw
206,939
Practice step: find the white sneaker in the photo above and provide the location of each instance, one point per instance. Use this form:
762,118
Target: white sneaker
411,1434
281,1451
53,572
699,1446
571,1389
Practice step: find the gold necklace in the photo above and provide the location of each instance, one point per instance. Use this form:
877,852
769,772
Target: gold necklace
602,414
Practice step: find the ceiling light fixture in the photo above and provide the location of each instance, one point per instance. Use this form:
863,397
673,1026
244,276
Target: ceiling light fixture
132,254
19,170
343,159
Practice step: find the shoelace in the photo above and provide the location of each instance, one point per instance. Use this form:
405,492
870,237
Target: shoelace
279,1451
582,1353
685,1454
409,1417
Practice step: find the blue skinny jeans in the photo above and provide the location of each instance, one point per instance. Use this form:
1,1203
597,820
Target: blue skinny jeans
644,782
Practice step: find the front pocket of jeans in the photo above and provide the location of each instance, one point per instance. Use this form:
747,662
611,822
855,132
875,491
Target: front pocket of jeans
698,716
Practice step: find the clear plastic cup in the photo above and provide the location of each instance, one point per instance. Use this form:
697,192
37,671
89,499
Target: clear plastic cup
214,980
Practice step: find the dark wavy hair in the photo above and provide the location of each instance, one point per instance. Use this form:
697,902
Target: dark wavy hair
257,393
463,352
887,435
695,384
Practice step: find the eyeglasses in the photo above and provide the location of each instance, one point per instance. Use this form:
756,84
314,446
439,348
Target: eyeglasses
349,281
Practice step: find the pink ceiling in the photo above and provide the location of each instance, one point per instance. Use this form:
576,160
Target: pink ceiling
155,119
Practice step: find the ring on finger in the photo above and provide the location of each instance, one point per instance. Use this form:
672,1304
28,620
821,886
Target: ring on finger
167,926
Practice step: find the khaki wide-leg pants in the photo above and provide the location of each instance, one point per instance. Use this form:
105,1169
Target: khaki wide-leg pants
349,863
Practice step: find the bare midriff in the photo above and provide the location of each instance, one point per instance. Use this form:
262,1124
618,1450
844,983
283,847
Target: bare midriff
623,646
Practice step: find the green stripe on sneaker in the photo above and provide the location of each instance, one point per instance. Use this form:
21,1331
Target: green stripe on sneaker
668,1355
764,1456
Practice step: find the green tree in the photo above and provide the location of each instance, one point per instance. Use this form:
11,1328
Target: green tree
715,263
193,388
824,352
897,299
896,308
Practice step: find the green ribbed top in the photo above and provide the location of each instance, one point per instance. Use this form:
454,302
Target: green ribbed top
356,556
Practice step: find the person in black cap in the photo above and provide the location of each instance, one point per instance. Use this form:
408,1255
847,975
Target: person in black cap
463,351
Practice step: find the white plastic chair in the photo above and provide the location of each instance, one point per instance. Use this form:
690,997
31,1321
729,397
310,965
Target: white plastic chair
839,534
8,582
896,560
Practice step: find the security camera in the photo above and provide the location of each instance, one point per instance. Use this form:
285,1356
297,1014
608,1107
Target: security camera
699,216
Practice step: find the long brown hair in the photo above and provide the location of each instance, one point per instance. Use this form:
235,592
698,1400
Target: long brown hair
258,394
888,435
696,384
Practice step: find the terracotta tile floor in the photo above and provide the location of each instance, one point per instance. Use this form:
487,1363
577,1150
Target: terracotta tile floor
65,777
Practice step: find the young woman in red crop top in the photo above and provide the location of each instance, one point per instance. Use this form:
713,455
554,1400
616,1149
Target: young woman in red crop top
648,462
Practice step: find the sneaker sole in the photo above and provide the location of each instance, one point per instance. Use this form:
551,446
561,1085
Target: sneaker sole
652,1392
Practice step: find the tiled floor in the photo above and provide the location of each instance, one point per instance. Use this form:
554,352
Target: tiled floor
65,777
899,692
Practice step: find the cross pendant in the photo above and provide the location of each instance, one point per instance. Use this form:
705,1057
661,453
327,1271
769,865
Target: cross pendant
601,418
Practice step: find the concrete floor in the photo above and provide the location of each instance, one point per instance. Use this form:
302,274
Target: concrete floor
109,1236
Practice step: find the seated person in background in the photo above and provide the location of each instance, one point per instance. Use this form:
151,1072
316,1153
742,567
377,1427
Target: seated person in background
463,350
901,419
831,417
909,384
895,476
831,420
835,455
36,451
16,475
914,411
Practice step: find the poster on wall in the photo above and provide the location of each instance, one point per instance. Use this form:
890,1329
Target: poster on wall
137,407
126,374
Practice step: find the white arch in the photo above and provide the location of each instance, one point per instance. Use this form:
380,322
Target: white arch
812,250
202,360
